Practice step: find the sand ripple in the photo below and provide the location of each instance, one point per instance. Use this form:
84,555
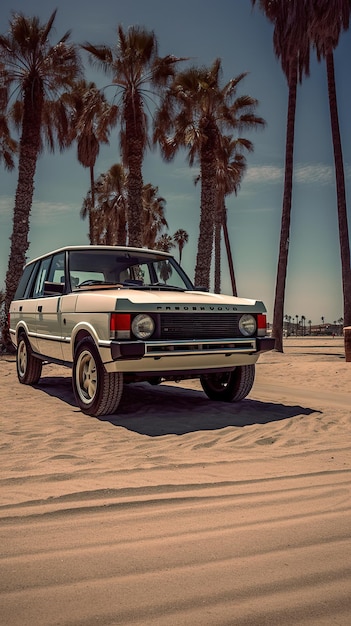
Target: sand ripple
179,510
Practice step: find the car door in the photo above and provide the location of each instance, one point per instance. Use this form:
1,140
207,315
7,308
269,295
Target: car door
23,309
48,318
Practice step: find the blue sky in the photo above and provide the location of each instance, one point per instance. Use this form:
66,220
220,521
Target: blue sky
204,30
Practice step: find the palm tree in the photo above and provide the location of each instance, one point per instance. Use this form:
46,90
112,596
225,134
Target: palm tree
8,146
231,167
136,71
40,72
180,237
195,113
112,199
328,19
91,121
154,221
292,47
109,216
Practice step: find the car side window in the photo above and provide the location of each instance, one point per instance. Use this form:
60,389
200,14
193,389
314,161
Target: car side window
38,291
25,283
57,269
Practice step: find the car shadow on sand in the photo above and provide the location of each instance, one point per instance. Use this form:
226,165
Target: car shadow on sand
168,409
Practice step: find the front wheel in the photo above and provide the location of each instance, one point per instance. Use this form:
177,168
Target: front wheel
229,386
97,392
28,366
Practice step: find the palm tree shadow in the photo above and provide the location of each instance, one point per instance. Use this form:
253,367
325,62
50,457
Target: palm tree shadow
166,409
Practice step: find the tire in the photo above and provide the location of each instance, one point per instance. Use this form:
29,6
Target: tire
229,386
97,392
28,366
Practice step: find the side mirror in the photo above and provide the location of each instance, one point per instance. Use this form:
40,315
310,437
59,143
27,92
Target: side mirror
53,289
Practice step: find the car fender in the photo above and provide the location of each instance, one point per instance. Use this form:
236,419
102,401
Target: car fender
85,329
21,326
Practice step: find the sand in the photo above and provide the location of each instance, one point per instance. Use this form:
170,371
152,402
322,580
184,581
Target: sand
180,510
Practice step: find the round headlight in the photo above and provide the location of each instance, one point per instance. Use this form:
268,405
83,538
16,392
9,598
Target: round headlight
247,325
143,326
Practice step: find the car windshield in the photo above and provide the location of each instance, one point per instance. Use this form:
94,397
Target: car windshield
89,268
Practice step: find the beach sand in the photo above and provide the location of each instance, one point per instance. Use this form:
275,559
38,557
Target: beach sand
179,510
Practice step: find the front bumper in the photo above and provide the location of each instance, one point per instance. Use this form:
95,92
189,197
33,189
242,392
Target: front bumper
183,355
264,344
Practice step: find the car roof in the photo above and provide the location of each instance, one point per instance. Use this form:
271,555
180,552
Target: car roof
101,248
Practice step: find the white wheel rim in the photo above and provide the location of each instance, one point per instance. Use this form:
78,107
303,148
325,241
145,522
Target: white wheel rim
86,377
22,358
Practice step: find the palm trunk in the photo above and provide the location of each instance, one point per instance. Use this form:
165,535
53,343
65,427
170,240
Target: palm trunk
229,253
28,156
340,191
134,157
217,247
121,226
207,212
205,241
92,208
278,315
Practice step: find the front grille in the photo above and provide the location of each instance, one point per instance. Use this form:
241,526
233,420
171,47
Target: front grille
199,325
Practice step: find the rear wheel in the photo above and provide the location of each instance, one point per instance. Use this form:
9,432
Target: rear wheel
28,366
97,392
229,386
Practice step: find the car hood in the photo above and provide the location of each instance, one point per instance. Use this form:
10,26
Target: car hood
163,301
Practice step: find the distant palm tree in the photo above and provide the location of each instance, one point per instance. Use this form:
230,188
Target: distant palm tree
286,317
137,71
165,243
292,47
91,121
328,19
41,72
194,114
180,237
310,325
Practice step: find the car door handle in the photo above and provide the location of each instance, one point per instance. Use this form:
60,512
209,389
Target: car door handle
40,308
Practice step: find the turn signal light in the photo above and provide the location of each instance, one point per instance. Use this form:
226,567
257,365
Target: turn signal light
261,325
120,325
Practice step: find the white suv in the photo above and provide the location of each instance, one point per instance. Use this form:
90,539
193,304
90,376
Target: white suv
119,315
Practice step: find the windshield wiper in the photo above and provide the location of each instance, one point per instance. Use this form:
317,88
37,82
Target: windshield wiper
166,287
